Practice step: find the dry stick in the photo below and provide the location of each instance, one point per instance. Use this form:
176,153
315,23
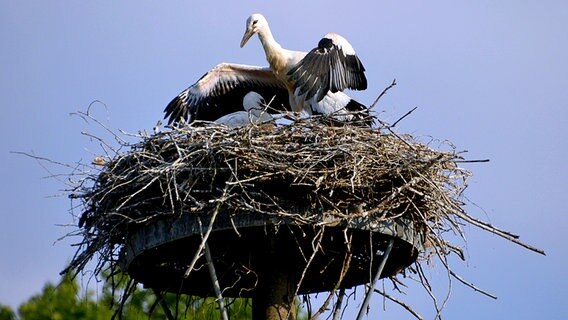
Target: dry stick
383,93
205,236
469,284
401,118
202,244
463,281
447,298
128,290
316,248
136,193
472,161
40,159
337,309
400,303
365,304
103,143
215,281
344,269
426,285
443,258
499,232
58,177
164,304
84,116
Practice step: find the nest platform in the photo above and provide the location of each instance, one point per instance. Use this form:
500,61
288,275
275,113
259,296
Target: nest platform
244,246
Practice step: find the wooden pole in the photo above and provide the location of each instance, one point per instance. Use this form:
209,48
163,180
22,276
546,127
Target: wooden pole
274,295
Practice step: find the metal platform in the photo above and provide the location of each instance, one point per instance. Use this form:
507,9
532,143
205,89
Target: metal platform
243,246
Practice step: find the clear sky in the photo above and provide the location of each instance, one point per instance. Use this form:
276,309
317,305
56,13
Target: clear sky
489,76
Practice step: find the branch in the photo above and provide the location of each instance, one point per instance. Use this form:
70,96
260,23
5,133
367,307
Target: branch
400,303
215,281
382,94
404,116
488,227
164,304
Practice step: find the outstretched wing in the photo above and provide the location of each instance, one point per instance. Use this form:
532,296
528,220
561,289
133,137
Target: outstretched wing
331,66
221,90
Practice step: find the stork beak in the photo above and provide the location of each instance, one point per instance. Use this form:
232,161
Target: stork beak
246,36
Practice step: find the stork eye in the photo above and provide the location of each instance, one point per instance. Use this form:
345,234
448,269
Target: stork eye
254,22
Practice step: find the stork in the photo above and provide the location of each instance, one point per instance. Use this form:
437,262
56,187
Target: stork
214,95
314,80
254,113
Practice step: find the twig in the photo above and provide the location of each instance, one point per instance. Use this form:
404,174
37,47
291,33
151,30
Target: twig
400,303
206,236
344,269
401,118
385,256
215,281
382,94
472,161
164,304
316,248
469,284
337,307
486,226
426,285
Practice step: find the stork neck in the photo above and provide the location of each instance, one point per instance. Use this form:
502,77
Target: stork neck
272,48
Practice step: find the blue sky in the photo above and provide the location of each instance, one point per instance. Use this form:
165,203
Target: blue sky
489,76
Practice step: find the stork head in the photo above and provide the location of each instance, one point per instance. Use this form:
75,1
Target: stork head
255,23
253,101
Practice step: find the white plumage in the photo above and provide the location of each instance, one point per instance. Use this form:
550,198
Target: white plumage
325,71
254,113
309,83
215,93
218,92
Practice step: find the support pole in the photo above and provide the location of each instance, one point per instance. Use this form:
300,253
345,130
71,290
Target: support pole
274,295
338,305
375,278
215,281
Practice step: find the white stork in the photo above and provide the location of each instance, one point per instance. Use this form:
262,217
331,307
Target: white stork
314,80
215,93
310,83
254,113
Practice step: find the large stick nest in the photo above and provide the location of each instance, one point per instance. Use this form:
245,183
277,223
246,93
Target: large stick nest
306,172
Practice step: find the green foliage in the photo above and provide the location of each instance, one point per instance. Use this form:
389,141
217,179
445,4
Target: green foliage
144,304
63,302
68,301
6,313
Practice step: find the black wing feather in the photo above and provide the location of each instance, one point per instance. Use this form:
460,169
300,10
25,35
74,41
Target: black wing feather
221,91
327,68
